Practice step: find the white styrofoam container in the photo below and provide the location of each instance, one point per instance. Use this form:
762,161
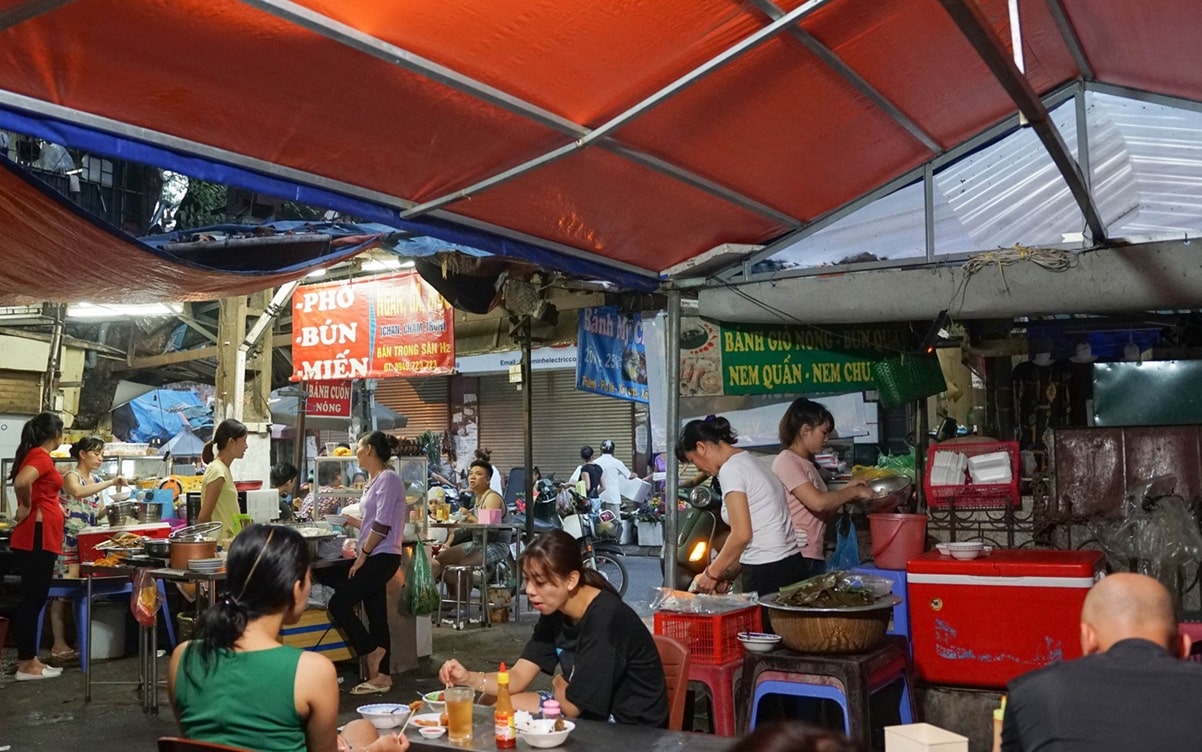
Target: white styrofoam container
108,629
634,489
923,737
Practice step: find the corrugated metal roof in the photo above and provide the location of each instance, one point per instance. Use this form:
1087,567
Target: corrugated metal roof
1146,161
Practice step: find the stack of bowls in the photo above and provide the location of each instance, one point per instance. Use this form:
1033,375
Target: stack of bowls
206,566
963,550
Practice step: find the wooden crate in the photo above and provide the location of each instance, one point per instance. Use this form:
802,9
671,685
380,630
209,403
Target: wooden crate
314,632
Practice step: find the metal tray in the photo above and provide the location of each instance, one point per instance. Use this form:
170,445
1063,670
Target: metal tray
887,601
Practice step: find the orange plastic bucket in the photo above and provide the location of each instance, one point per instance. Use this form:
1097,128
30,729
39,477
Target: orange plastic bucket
896,538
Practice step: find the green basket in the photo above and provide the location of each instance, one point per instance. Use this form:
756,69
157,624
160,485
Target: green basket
907,378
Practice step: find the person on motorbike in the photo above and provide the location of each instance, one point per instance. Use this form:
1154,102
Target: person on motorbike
464,550
804,429
762,535
607,662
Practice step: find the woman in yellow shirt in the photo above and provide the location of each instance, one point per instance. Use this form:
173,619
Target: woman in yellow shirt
218,496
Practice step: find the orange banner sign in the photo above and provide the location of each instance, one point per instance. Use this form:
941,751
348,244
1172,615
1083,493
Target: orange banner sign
375,328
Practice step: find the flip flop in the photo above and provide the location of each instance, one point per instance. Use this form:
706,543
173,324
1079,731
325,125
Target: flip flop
67,655
367,688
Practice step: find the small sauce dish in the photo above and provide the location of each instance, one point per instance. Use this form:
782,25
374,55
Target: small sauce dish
431,732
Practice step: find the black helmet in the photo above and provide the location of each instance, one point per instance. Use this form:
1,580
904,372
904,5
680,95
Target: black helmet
607,446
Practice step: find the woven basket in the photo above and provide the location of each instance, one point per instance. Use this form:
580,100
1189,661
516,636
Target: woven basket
830,630
907,378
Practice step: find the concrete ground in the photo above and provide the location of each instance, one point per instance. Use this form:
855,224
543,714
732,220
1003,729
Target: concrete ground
52,714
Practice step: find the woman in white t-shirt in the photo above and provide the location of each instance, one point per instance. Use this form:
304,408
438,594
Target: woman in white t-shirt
804,429
762,536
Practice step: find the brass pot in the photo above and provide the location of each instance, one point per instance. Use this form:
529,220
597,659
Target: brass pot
183,552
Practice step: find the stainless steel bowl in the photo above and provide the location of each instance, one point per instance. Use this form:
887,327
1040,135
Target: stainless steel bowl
147,511
155,547
889,492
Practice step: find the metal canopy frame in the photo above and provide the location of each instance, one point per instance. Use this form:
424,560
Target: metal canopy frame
966,15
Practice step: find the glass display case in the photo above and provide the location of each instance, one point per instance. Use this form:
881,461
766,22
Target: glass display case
339,482
131,467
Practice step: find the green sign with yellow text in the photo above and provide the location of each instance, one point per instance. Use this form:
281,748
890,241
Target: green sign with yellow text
764,359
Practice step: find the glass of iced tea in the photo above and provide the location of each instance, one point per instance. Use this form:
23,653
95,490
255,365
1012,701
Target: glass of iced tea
459,713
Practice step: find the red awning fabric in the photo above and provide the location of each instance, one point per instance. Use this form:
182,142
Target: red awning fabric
431,103
51,251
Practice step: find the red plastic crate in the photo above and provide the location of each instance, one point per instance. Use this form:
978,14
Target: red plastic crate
974,495
710,638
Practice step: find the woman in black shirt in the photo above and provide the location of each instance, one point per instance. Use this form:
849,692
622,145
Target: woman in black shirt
609,666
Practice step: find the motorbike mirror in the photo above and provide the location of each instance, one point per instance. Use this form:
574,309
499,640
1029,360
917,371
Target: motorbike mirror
701,497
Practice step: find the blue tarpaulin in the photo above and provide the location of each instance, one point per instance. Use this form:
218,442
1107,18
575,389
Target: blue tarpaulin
163,413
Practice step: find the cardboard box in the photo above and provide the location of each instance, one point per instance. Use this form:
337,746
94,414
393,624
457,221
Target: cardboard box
489,516
923,737
634,489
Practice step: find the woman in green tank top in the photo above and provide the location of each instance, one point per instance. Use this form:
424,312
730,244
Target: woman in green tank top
235,684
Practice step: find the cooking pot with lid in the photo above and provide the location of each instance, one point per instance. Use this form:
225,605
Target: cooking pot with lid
195,542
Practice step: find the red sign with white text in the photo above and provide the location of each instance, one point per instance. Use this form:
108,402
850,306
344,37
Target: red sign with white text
374,328
329,399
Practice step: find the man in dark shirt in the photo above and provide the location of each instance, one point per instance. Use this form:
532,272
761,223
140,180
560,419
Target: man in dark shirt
1131,690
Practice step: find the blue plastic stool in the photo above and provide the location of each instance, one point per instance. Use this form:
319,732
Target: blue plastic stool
848,680
75,591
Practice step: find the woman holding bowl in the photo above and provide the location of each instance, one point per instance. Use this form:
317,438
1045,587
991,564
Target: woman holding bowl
82,505
763,539
804,429
609,668
379,557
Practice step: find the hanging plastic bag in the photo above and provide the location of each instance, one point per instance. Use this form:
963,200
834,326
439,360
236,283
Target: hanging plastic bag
847,544
423,595
144,602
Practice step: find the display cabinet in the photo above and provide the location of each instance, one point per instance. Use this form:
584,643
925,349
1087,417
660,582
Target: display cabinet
339,482
131,467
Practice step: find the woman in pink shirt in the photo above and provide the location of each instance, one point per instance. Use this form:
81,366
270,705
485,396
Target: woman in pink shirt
804,429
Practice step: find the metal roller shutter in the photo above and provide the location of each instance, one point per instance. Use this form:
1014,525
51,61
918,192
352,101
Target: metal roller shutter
564,420
424,401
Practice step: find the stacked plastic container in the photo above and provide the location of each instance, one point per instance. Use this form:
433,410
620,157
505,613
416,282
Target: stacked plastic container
981,475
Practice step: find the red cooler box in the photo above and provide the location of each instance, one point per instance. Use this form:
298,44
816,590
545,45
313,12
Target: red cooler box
89,537
983,622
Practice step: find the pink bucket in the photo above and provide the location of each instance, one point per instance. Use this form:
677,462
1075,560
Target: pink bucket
897,538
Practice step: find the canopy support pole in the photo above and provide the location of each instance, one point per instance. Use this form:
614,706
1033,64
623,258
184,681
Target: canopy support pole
672,480
972,22
527,428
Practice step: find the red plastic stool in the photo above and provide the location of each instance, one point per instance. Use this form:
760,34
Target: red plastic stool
719,679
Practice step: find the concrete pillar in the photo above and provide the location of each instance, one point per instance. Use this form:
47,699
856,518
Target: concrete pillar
231,381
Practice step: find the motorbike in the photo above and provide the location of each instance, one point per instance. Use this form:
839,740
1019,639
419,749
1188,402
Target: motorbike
576,520
701,532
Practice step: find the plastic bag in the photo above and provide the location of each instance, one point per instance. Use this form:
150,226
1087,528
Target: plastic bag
423,595
900,464
144,602
847,544
667,599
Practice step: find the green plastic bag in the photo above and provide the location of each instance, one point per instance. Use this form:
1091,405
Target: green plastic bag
423,595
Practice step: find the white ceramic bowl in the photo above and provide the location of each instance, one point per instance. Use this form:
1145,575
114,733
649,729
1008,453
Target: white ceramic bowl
759,642
431,732
537,738
965,554
432,700
384,715
336,519
965,546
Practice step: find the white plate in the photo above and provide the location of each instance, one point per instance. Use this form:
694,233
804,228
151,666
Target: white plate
946,550
427,720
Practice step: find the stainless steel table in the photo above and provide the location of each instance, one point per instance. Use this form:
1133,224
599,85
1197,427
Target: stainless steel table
483,529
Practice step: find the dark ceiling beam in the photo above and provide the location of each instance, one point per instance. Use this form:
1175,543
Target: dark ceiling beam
849,74
186,356
972,22
1069,34
25,11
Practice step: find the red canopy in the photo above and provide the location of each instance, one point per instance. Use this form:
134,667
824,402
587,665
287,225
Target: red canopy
640,133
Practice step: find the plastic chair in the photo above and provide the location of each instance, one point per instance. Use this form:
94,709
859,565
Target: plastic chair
101,587
848,680
178,744
675,658
467,577
720,680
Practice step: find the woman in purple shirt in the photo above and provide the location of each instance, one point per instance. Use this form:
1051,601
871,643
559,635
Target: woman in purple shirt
380,550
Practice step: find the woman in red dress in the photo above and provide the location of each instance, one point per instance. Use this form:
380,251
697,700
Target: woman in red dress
37,538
